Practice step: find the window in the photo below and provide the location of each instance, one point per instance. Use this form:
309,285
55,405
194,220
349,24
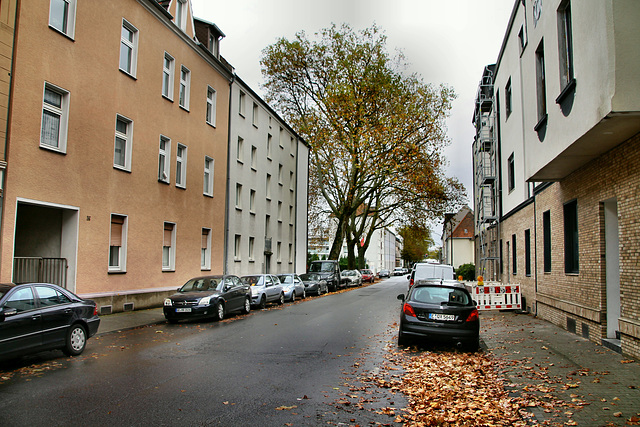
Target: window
252,201
211,106
238,196
128,48
514,254
541,86
205,252
185,83
279,251
254,157
291,181
290,253
522,38
251,245
122,144
527,252
163,159
254,117
55,118
208,177
279,174
237,247
168,247
546,237
240,150
118,244
565,49
511,171
168,66
62,16
241,102
181,166
281,138
293,147
181,14
571,250
269,139
268,187
49,297
279,211
290,214
508,97
21,300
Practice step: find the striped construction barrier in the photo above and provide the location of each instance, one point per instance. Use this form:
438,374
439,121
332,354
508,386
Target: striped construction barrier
497,296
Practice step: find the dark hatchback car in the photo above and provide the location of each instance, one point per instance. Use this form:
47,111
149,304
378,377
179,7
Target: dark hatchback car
432,313
40,316
208,296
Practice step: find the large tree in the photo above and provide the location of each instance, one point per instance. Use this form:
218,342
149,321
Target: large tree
376,132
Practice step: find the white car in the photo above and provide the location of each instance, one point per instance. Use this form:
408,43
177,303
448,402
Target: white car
351,278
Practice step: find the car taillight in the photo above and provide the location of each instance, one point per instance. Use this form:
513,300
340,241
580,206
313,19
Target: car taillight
473,316
410,282
408,310
95,309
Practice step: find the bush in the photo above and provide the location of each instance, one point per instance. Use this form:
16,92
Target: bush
467,271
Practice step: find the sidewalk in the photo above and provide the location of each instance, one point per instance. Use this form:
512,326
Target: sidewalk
566,379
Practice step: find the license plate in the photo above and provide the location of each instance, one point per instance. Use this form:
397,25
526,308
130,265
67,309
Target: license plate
183,310
438,316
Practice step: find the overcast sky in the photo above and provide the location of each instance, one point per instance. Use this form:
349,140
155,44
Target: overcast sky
445,41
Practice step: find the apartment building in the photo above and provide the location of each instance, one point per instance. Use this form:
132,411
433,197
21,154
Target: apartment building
117,150
556,163
458,243
268,179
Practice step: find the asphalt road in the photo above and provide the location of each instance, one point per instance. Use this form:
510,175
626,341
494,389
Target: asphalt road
282,366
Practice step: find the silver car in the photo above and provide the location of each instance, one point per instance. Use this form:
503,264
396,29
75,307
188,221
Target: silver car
265,288
292,286
314,283
351,277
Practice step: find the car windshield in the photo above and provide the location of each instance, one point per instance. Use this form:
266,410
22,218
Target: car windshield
440,295
317,267
253,280
349,273
202,284
309,276
365,271
286,278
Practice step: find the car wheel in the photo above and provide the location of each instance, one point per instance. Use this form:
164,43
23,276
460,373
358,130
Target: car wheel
247,306
76,341
293,296
263,302
172,321
304,293
219,311
281,300
402,339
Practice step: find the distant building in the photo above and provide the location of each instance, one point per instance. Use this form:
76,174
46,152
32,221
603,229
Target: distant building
458,241
556,163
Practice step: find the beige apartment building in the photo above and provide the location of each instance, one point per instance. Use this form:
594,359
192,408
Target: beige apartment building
557,166
117,148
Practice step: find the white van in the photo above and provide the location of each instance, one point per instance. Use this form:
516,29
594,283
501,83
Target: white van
424,271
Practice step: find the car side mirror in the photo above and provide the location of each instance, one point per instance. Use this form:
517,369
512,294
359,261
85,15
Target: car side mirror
409,277
7,312
401,297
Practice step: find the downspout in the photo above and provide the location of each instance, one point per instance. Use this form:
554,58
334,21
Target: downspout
225,251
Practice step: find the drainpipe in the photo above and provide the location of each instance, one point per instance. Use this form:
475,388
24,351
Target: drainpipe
225,251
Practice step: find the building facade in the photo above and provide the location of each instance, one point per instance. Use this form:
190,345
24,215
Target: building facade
458,238
268,178
556,166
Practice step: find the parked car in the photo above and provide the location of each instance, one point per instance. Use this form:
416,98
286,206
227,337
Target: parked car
330,272
314,283
41,316
434,312
351,278
367,275
208,296
292,286
265,288
429,271
398,271
384,273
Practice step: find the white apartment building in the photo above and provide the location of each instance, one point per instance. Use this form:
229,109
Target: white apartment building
266,230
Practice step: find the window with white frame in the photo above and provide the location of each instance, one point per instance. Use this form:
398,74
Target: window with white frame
238,196
185,85
205,253
128,48
118,244
169,247
251,246
240,150
122,144
181,14
236,247
163,159
565,48
55,118
207,189
211,106
181,166
168,68
541,86
252,201
62,16
254,157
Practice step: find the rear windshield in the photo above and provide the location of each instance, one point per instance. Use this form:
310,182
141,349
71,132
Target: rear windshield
439,295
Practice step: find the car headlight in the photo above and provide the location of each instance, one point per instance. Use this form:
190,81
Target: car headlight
205,300
168,302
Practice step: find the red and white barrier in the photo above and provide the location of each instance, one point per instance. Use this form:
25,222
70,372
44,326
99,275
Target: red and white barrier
496,296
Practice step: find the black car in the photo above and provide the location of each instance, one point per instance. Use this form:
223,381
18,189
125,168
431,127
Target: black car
208,296
434,312
314,283
41,316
